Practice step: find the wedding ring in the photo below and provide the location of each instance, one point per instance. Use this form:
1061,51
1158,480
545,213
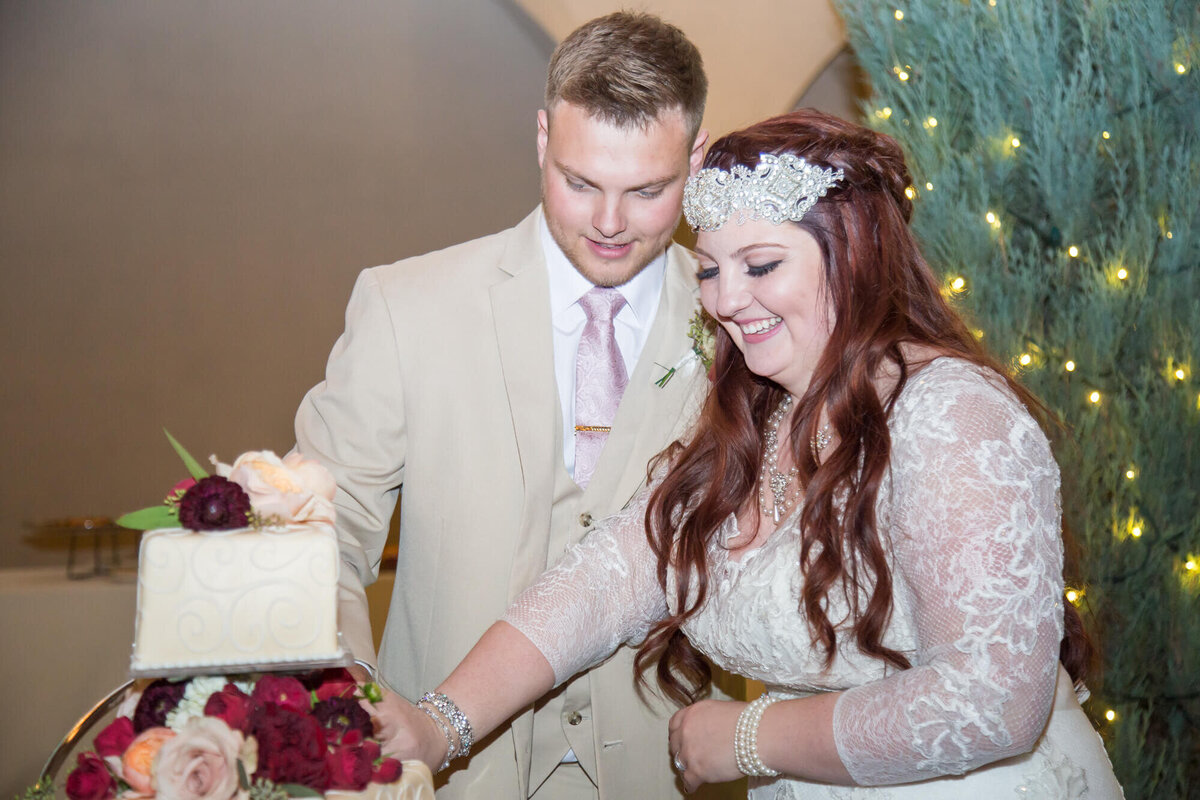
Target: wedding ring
679,765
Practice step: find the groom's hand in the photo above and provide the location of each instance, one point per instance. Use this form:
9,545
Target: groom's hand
702,742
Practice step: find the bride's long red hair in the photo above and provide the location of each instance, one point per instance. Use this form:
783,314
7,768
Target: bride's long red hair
884,298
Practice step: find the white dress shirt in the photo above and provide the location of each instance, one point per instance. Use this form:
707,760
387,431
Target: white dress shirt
631,325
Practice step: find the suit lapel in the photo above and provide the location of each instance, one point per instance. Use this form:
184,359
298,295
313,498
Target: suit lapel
650,416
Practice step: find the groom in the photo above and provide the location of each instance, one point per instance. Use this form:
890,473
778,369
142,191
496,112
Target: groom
516,404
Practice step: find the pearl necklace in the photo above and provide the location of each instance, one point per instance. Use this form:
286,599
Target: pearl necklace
785,490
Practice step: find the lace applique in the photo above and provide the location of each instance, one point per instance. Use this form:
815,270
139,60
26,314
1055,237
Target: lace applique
1053,774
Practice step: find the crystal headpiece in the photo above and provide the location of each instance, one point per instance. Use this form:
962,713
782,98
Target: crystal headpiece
778,188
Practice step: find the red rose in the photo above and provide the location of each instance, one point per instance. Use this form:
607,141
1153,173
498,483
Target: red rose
113,740
291,747
349,768
231,705
336,683
282,690
90,780
388,771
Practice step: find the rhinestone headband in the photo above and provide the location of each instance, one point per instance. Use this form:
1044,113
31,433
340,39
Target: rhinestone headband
778,188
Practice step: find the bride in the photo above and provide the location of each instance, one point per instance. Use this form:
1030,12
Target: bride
865,518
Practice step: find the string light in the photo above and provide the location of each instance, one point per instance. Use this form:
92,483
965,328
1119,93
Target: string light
1025,360
958,283
1110,715
910,193
901,72
1073,251
1131,473
931,122
1135,531
1190,566
993,220
1122,274
1094,397
1106,135
899,15
1069,366
884,113
1180,68
1073,596
928,186
1170,235
1016,142
1180,374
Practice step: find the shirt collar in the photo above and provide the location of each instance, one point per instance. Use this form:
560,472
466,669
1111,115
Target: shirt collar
567,285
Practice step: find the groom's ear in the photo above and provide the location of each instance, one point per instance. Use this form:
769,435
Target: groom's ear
696,158
543,136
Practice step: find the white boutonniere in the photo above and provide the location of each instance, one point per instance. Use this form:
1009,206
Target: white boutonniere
702,330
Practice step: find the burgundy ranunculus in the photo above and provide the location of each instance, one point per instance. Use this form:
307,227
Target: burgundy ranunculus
113,740
158,700
90,780
341,715
388,771
231,705
291,747
349,768
214,504
282,690
335,683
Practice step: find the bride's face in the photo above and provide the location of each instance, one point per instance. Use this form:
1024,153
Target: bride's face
763,283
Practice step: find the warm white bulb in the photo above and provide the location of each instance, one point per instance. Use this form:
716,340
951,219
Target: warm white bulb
1180,68
1069,366
1130,474
1073,251
1110,715
910,192
991,218
1136,531
1072,595
1191,565
958,284
1180,374
899,14
928,186
1106,135
1025,359
1094,397
1016,142
1122,274
931,122
902,75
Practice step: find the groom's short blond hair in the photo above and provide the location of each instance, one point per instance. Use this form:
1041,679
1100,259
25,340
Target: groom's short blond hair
627,68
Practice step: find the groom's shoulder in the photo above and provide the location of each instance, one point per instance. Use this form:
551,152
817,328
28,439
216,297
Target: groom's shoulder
454,266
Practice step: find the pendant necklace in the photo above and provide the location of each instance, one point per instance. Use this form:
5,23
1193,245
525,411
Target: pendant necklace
785,489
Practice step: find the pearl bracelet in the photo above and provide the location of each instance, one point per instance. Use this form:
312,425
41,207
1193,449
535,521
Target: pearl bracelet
745,739
454,715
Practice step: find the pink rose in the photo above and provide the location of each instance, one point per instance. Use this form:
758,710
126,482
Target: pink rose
200,763
291,489
90,780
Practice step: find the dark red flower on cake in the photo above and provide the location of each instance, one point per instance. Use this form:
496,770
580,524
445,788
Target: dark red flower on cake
214,504
291,747
388,771
232,705
342,715
158,700
282,690
336,683
90,780
113,740
349,768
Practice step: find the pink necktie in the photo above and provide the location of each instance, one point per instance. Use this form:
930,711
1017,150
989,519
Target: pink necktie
600,379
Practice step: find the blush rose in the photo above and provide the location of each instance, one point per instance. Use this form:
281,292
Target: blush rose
291,489
200,762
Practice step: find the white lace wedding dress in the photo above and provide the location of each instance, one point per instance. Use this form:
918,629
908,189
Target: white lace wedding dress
970,516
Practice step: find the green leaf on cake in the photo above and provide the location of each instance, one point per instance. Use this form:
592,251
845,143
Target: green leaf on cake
193,466
150,518
296,790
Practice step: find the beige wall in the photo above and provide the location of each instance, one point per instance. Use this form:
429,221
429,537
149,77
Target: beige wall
187,190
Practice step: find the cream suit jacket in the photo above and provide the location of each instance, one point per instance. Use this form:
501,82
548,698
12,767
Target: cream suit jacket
443,384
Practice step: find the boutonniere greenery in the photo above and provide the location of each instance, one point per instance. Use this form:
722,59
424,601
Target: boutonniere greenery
702,330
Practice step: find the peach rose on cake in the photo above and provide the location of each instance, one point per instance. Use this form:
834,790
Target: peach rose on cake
138,761
200,762
291,489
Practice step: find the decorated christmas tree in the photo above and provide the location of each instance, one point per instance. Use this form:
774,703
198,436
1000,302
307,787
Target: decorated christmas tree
1055,150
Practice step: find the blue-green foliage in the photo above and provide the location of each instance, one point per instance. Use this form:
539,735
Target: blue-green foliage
1057,75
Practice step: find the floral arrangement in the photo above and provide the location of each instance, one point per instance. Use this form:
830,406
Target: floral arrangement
258,490
265,737
702,330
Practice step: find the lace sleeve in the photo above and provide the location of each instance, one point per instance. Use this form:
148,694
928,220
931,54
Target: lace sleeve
601,594
975,530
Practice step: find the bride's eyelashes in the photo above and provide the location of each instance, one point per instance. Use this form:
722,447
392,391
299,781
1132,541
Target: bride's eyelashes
753,270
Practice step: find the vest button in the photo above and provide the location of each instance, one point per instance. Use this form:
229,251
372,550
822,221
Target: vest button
574,718
585,519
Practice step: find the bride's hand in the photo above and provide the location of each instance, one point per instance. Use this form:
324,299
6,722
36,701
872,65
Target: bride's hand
405,731
701,740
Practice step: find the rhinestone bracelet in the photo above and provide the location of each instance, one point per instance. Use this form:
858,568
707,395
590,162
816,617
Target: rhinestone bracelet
451,748
745,739
455,716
